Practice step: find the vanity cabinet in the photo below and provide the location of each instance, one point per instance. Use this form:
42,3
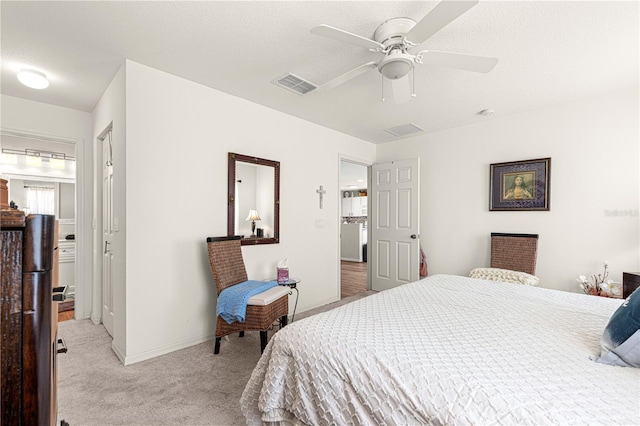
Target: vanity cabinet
67,266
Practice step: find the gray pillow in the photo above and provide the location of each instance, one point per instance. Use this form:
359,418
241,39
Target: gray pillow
620,341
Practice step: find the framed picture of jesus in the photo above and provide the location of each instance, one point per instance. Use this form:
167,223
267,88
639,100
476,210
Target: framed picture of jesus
520,185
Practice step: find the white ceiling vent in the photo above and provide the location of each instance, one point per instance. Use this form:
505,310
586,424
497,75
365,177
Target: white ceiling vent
404,130
295,84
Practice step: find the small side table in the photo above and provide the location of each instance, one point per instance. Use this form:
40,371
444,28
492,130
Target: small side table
630,282
292,283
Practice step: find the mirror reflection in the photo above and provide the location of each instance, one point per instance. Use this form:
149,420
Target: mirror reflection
253,199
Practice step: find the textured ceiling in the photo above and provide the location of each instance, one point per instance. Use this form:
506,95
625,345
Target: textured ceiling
549,52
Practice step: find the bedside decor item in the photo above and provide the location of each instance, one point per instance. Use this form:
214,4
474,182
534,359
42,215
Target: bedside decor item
283,271
283,275
599,285
253,216
520,185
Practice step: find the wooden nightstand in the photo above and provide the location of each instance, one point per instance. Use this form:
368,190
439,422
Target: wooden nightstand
630,281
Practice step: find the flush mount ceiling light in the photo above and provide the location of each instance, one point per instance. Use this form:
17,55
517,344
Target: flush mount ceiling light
33,79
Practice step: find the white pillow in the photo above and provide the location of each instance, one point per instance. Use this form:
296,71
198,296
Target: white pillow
504,275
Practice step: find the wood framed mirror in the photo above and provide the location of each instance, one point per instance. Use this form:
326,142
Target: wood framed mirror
253,209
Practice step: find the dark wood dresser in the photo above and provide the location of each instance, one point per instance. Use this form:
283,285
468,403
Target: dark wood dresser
28,320
630,282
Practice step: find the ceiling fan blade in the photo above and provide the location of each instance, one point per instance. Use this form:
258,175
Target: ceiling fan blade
457,60
340,35
401,90
439,17
341,79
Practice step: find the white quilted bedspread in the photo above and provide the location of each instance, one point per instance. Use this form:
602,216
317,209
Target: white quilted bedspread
446,350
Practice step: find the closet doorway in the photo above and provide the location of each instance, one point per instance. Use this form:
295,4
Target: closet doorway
353,228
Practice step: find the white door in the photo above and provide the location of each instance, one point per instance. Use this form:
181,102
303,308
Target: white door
395,223
107,233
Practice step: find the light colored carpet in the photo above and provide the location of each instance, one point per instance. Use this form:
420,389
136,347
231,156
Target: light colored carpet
187,387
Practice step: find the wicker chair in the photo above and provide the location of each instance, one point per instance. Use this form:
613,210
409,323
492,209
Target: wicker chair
227,266
516,252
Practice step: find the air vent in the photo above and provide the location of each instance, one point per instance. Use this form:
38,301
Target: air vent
404,130
295,84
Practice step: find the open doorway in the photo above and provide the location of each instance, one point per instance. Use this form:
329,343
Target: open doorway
41,179
353,228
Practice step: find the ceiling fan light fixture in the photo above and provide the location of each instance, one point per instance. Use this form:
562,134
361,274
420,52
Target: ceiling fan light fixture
396,65
33,79
398,39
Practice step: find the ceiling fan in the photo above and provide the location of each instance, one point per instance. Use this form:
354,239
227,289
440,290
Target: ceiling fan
399,40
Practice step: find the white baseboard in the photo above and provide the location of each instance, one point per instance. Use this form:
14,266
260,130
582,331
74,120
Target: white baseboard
132,359
322,303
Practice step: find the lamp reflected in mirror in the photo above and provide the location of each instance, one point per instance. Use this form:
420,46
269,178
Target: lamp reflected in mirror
253,216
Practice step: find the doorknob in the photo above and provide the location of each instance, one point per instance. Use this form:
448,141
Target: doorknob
414,236
106,245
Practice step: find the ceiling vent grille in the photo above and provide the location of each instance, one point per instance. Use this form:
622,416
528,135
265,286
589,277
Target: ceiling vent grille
404,130
295,84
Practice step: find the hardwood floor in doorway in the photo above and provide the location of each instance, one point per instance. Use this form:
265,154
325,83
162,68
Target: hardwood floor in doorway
65,316
353,278
66,310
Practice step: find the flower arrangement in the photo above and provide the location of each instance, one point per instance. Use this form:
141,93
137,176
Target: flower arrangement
599,285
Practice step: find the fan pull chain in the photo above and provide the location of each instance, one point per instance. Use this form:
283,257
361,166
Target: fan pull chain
382,81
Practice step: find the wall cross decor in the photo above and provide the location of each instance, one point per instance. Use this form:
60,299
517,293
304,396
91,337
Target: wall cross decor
321,191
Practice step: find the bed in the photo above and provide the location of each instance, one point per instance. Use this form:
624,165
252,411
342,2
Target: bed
446,350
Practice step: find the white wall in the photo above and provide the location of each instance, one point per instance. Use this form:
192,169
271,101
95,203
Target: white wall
594,149
245,197
265,194
17,192
181,131
111,110
62,125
